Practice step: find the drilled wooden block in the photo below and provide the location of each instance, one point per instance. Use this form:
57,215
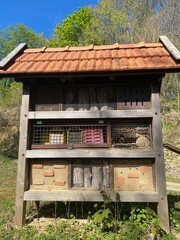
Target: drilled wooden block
87,176
133,175
78,175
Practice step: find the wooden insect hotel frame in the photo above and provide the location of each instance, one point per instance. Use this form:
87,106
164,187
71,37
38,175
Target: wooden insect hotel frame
90,120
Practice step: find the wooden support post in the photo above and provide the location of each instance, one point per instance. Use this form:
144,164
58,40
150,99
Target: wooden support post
163,212
20,207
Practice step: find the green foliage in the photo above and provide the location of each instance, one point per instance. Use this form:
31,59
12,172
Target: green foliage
11,36
71,31
118,21
10,99
104,218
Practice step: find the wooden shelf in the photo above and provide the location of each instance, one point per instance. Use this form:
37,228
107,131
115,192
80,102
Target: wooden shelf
146,113
77,195
90,153
67,146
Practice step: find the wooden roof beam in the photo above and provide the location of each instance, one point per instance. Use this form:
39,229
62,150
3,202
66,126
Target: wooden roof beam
11,55
170,47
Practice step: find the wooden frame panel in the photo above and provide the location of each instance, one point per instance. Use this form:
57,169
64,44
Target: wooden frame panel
94,196
159,162
22,179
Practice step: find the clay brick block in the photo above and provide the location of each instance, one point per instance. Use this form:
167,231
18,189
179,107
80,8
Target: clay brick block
49,174
120,180
59,166
133,175
143,169
59,183
38,182
37,166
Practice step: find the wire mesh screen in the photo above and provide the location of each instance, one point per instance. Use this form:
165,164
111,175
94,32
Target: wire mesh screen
130,135
57,135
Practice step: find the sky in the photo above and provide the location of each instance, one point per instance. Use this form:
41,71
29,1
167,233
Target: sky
40,15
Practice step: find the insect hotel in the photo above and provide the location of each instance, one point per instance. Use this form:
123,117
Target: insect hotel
90,121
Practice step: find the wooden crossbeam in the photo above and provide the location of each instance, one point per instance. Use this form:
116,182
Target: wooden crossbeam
171,148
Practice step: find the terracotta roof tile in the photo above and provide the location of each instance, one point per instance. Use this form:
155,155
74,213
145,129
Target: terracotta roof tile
107,54
108,64
114,54
107,47
149,45
74,65
84,55
116,57
140,62
91,65
50,66
35,50
92,55
83,48
62,49
76,55
58,66
124,64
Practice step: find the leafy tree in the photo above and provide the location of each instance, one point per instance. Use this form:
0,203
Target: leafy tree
10,92
11,36
70,32
119,21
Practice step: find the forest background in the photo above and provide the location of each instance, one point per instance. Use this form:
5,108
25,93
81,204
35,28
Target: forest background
109,22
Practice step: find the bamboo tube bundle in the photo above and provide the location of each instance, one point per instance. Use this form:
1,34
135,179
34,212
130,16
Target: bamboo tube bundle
97,176
87,177
78,176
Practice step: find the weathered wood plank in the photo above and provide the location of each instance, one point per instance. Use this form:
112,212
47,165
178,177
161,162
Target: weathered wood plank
90,153
159,162
171,147
22,171
9,57
147,113
73,195
61,146
170,47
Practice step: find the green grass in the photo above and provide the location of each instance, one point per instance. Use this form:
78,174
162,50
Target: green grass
72,229
8,171
174,180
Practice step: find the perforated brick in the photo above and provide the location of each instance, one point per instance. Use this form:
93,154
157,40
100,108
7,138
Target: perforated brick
59,183
120,180
49,174
37,166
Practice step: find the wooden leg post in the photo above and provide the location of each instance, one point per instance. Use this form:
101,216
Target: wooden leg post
163,211
20,207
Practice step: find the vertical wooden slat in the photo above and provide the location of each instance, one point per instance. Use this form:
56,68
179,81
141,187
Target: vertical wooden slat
159,162
22,168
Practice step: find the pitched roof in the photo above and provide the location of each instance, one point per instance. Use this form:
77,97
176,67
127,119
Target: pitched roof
122,58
